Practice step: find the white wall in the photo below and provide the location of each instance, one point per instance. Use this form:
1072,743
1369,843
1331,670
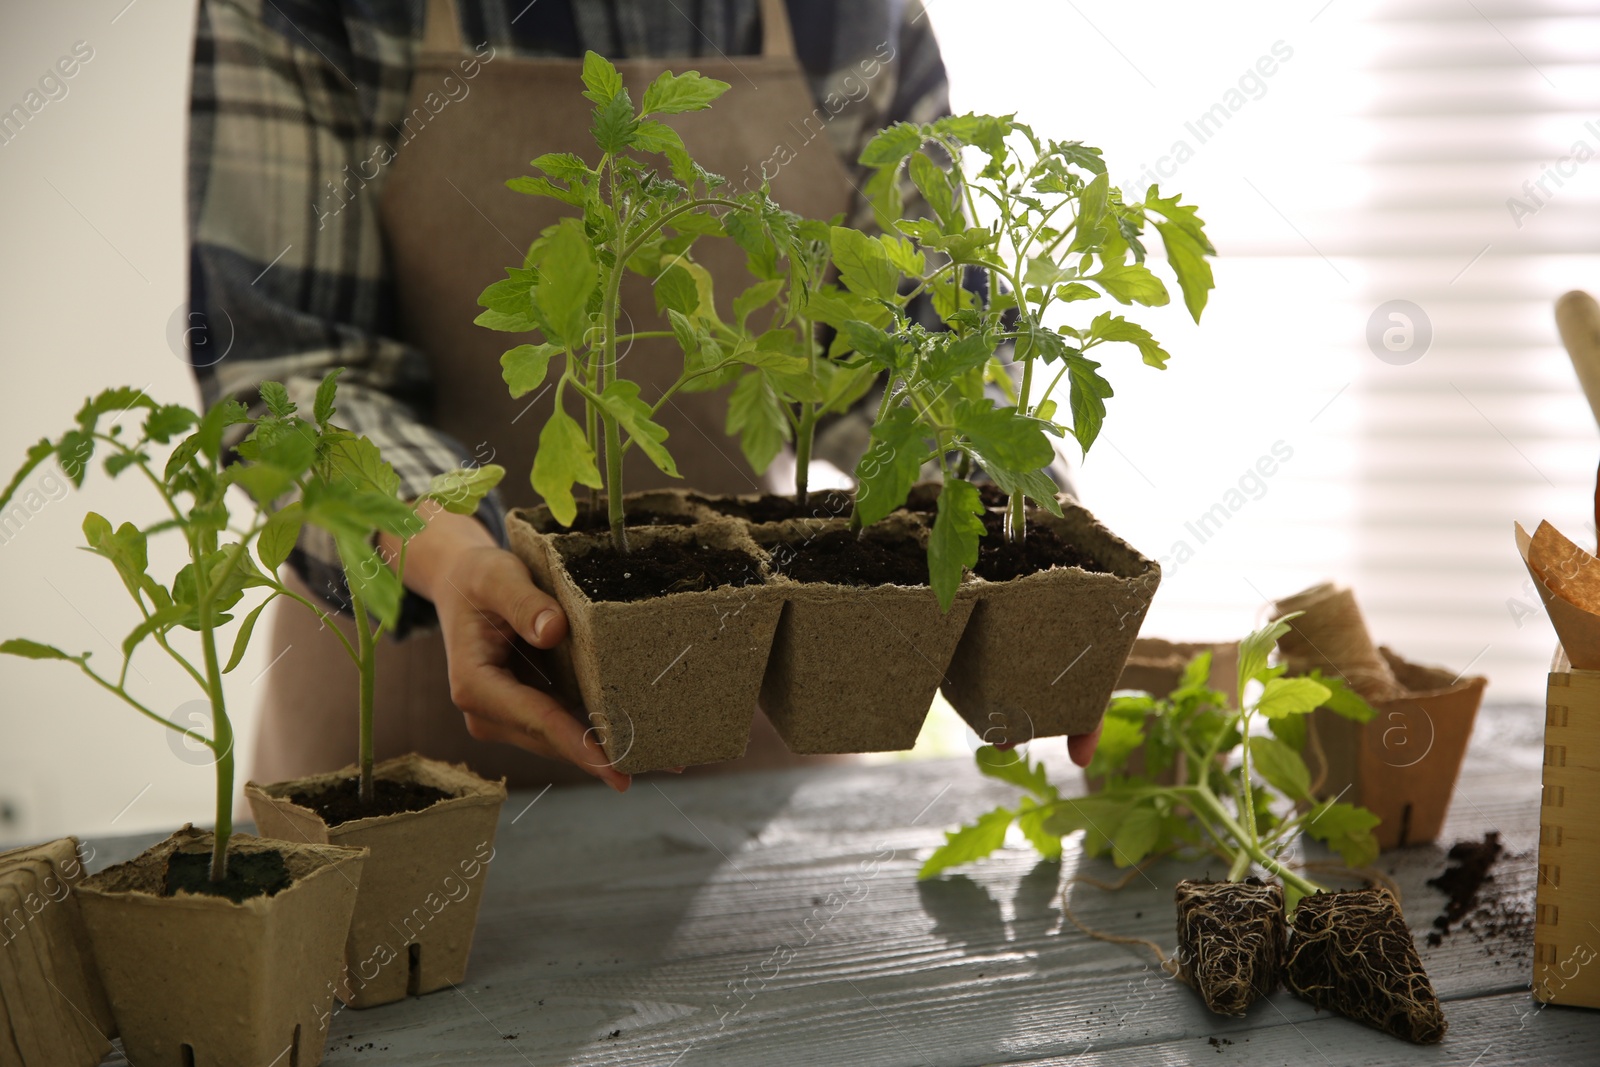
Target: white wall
92,268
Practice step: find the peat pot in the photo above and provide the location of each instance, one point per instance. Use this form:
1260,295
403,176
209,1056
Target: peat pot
199,980
423,880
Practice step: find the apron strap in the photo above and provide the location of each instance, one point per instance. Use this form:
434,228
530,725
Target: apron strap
441,29
777,35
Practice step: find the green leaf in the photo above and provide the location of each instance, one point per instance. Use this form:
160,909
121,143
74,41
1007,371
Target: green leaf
167,421
158,622
242,641
1291,730
370,579
1290,696
1091,209
614,124
1346,829
21,646
756,414
504,322
1108,327
1003,437
969,843
1183,234
1008,765
512,294
1120,737
953,542
563,458
126,548
891,145
600,78
673,94
1255,648
757,296
1099,814
1281,766
324,407
111,401
359,463
622,402
676,289
461,489
1342,700
891,466
1131,283
567,277
864,264
658,137
73,452
564,166
224,413
1136,836
1031,818
525,366
38,452
935,186
531,186
276,397
280,534
871,342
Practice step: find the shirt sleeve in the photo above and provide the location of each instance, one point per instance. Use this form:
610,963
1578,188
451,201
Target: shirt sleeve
288,276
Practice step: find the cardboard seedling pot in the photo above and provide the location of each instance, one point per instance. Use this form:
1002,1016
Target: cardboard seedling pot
1042,653
666,682
1402,765
422,883
200,980
53,1010
855,668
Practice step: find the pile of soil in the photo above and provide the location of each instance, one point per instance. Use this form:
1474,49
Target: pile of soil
1351,952
843,558
600,519
341,802
1000,560
250,874
659,569
826,504
1461,882
1230,941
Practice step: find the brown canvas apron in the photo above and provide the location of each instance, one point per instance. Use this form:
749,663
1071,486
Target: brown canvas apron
475,120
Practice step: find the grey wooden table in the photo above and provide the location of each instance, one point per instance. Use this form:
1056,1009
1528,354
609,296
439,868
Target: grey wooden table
776,919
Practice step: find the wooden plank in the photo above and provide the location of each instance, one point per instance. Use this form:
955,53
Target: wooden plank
723,919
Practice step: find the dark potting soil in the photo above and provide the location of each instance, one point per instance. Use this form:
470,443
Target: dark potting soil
341,802
1351,952
590,521
827,504
1461,881
1000,560
843,558
659,569
924,499
1230,941
250,874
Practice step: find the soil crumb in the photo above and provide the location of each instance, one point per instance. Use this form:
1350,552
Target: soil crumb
842,558
341,801
659,569
250,874
1471,861
825,504
591,521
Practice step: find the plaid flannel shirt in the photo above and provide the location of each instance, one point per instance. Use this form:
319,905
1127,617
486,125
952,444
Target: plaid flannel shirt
287,93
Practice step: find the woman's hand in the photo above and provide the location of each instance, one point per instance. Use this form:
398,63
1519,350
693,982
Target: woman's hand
486,600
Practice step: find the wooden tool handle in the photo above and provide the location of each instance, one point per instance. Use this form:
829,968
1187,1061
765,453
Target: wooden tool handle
1578,319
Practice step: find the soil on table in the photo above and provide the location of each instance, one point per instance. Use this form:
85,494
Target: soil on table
1230,941
1471,861
826,504
600,519
843,558
659,569
1000,560
1352,953
340,802
250,874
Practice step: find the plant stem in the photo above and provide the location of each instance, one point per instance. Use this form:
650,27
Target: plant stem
222,743
368,664
1243,844
802,453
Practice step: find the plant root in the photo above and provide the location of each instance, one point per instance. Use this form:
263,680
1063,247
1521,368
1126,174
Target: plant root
1352,953
1230,941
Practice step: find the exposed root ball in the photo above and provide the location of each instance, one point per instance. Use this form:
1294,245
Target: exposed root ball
1352,953
1230,941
